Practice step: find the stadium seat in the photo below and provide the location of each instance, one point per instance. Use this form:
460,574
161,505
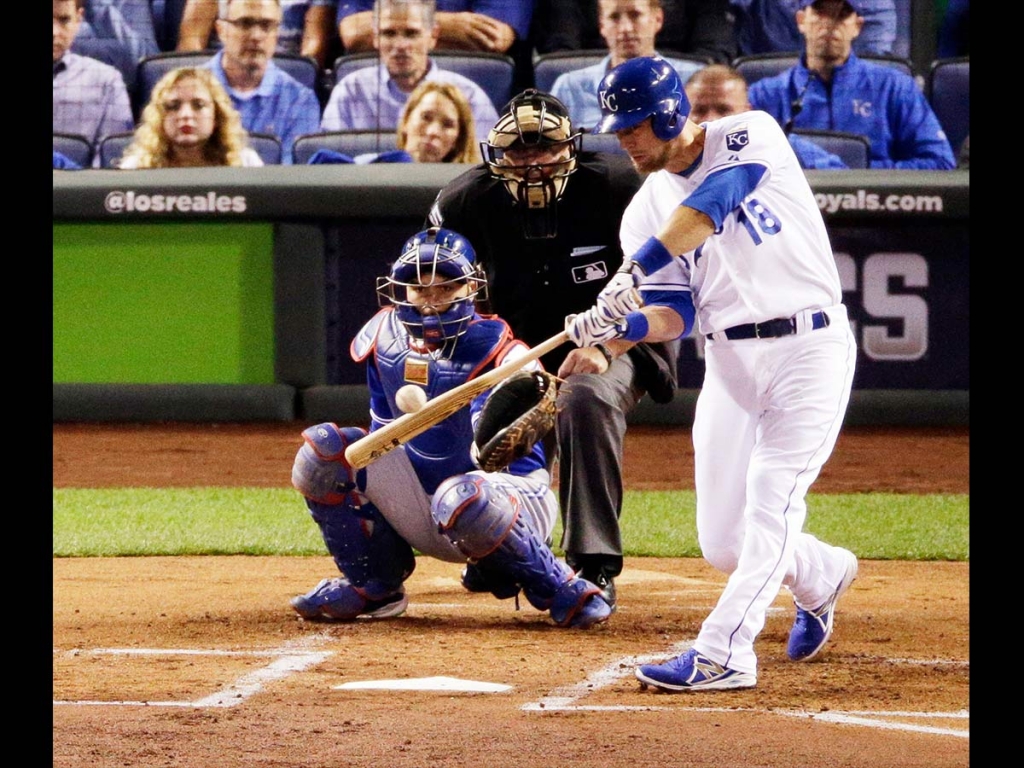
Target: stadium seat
759,65
853,149
267,146
548,66
112,52
949,93
74,147
349,143
491,71
602,142
152,68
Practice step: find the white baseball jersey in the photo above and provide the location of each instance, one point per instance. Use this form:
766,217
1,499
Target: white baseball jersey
746,272
770,409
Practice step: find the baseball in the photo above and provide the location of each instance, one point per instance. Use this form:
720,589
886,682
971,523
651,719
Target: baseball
410,398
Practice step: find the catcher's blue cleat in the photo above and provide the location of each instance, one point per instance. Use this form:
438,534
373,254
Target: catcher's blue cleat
337,599
812,629
579,604
692,672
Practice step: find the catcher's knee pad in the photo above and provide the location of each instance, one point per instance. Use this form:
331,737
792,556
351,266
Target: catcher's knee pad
486,526
371,554
469,512
320,471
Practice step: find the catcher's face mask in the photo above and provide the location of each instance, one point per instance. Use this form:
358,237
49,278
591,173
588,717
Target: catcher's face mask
434,286
532,149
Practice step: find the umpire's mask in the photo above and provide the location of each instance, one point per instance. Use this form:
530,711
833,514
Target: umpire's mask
532,149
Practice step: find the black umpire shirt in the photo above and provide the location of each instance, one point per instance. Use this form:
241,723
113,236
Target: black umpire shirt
534,283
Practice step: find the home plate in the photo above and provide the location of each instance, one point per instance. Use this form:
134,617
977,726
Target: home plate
424,684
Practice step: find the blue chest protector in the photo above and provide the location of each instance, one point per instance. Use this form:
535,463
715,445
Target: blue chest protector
443,450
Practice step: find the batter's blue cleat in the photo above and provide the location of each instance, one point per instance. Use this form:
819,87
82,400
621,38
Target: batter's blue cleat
692,672
812,629
338,600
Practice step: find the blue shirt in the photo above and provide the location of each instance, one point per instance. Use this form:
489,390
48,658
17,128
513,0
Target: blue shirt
128,21
516,13
766,26
874,100
578,89
89,99
368,99
281,105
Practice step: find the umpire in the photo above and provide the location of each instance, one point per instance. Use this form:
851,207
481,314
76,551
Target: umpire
544,218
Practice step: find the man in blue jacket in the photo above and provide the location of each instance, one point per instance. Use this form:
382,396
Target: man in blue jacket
832,89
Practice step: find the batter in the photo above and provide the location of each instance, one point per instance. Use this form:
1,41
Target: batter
727,238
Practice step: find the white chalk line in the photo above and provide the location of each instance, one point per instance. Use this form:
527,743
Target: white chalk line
566,698
291,658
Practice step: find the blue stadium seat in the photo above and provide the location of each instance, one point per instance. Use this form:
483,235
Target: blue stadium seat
548,66
152,68
112,52
267,146
949,93
349,143
74,147
493,72
602,142
759,65
853,149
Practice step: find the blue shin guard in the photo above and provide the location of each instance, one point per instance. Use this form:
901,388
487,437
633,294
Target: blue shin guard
487,527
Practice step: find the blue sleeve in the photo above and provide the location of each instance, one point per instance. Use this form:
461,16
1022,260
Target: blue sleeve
679,301
813,156
517,15
723,191
919,143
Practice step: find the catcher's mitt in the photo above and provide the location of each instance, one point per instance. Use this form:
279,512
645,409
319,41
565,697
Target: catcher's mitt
518,413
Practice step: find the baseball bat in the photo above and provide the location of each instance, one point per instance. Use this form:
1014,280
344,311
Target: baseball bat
368,449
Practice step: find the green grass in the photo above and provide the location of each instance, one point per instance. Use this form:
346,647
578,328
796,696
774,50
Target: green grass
261,521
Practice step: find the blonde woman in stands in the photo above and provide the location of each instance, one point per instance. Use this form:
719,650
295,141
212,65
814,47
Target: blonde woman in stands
437,125
189,122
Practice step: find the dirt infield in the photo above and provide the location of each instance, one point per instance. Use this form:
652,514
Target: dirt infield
199,661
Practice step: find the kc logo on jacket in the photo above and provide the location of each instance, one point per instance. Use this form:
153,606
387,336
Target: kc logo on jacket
737,140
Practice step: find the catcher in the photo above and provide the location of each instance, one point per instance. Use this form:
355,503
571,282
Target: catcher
472,489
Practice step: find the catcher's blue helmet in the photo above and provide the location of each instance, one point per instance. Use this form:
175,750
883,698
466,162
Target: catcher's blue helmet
435,256
647,86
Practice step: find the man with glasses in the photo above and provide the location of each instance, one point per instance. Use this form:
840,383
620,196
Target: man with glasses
268,99
372,98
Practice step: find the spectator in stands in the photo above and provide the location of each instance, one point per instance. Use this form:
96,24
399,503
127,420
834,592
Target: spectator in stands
130,22
268,99
769,26
437,125
952,38
372,98
89,97
189,122
307,27
628,28
463,25
696,27
62,162
831,88
719,90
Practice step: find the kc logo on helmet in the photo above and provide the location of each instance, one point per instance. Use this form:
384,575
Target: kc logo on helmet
608,102
737,140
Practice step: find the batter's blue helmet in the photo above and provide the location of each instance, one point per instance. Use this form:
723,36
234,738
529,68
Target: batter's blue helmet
647,86
435,256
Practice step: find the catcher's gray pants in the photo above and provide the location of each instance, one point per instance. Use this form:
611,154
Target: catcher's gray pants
591,429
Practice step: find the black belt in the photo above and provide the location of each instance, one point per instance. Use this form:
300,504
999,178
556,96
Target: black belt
770,329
